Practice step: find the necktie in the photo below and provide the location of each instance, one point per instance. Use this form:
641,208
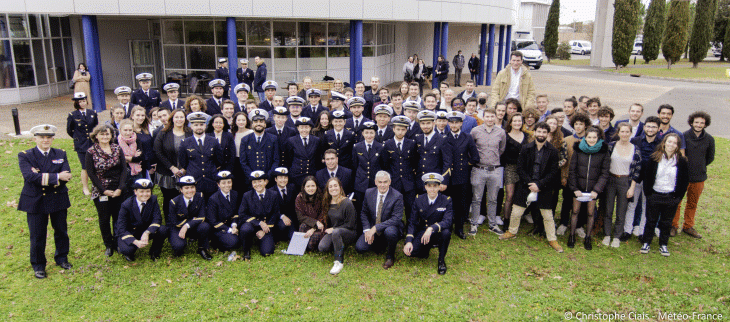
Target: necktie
147,93
332,174
218,102
380,132
338,137
456,136
83,114
258,140
368,150
228,198
399,146
379,213
305,142
283,193
200,143
173,105
425,140
261,196
141,210
357,124
45,154
279,132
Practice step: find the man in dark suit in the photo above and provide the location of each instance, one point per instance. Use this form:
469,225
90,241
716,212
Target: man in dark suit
222,213
371,96
282,131
139,221
172,102
200,155
400,160
222,73
241,91
431,154
213,104
304,151
123,96
258,215
382,114
45,173
382,219
79,124
340,139
337,104
366,163
333,168
286,194
355,123
259,150
410,110
314,107
430,224
270,88
144,96
245,75
187,219
464,155
295,104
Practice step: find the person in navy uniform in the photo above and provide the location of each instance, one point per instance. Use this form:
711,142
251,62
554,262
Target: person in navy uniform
464,155
295,104
282,131
139,221
337,103
433,155
145,96
45,174
245,75
172,102
213,104
285,193
430,224
441,125
366,163
222,213
259,150
340,139
258,215
355,123
270,87
410,110
382,114
222,73
241,90
123,94
400,160
303,152
200,155
334,168
186,220
382,219
79,124
314,107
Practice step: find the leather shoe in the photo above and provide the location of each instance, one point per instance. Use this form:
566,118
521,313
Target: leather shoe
109,252
442,267
204,254
40,274
673,232
506,235
247,255
129,258
692,232
461,234
388,263
65,265
571,241
588,243
154,256
625,237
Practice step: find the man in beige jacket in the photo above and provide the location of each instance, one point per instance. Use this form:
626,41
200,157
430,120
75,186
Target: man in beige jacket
514,81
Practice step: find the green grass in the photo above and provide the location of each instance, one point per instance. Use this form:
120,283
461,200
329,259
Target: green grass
703,72
488,279
569,62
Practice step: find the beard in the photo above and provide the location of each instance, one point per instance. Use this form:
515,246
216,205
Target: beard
540,139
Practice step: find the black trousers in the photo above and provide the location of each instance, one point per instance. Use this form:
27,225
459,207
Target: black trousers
461,197
167,195
248,235
660,208
38,229
382,241
108,210
200,233
442,239
158,240
408,198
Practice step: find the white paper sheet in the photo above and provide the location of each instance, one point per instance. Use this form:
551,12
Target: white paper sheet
297,244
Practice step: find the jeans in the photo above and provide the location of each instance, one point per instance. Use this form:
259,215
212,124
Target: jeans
616,194
639,196
262,96
493,182
547,217
694,190
337,240
457,77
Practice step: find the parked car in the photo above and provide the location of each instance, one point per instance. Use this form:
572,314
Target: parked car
580,47
637,48
531,53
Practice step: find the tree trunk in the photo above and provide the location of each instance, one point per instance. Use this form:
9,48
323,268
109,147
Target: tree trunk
669,64
694,65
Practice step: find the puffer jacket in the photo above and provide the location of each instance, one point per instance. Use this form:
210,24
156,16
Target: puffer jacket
589,172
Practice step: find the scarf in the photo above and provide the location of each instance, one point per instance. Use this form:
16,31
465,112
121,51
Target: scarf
103,162
590,149
129,147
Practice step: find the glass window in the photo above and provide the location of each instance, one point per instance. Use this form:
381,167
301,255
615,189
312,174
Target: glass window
242,54
367,51
199,32
339,33
55,26
66,26
173,33
7,74
18,26
263,52
3,27
241,32
40,63
58,59
201,57
174,57
285,33
220,52
69,54
312,34
286,58
221,37
368,34
33,21
312,58
23,63
339,52
284,77
259,33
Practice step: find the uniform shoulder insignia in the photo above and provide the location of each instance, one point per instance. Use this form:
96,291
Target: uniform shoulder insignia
201,194
416,195
24,152
173,201
448,198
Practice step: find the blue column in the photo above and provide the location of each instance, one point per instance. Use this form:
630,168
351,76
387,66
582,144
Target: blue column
355,51
500,48
232,52
445,39
490,52
482,54
508,45
436,51
93,61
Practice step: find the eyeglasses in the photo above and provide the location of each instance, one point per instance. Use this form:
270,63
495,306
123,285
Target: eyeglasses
458,105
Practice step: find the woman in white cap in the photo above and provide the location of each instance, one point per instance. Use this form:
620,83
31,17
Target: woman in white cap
79,125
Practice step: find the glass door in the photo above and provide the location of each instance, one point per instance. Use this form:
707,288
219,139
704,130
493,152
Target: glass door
142,59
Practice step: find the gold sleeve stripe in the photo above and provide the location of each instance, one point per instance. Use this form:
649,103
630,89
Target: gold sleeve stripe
437,224
182,223
218,225
199,218
155,225
409,235
252,218
127,236
44,179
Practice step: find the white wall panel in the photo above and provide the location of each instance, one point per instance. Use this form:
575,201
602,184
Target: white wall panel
273,8
346,9
311,9
141,7
95,7
188,8
236,8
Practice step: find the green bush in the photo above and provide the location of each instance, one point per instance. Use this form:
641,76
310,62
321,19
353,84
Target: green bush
563,52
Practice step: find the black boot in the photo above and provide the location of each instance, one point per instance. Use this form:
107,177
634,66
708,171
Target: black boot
587,243
571,241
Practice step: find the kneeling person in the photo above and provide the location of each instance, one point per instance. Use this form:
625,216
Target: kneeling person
187,219
382,219
258,214
223,213
139,221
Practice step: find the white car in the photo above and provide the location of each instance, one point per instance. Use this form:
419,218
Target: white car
637,48
580,47
531,53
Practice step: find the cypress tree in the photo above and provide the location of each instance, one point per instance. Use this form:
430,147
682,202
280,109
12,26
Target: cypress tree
551,30
726,43
625,26
702,31
676,34
653,30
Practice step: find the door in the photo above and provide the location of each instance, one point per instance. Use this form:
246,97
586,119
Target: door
142,60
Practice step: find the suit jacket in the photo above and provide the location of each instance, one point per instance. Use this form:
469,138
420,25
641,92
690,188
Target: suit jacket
212,107
148,102
286,205
245,76
222,73
265,105
192,214
255,211
259,78
262,156
228,147
387,134
392,214
304,161
415,129
350,126
201,163
464,155
681,182
307,111
401,164
43,192
79,127
437,216
128,111
431,158
549,175
132,223
343,147
344,174
164,147
180,103
221,213
286,133
366,164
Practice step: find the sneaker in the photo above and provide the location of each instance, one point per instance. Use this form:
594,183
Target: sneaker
481,219
529,219
606,241
232,256
473,230
663,249
581,232
637,231
644,248
499,220
506,235
616,243
336,268
561,230
495,229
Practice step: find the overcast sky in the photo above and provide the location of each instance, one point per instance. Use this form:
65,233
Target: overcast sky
580,10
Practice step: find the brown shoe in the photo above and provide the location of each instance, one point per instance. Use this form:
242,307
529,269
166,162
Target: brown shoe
555,246
673,232
388,263
692,232
507,235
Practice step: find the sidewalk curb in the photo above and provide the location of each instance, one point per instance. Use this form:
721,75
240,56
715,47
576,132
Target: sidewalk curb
705,81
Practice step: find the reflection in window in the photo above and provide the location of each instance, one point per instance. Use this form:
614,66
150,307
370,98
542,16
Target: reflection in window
339,52
312,34
263,52
40,63
199,32
58,58
174,57
18,26
286,58
23,63
368,34
312,58
3,26
367,51
259,33
201,57
68,49
55,26
339,33
173,33
7,74
285,33
33,21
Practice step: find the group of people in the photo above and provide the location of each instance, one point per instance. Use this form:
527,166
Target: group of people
371,168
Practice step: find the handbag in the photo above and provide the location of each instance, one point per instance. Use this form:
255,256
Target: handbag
72,84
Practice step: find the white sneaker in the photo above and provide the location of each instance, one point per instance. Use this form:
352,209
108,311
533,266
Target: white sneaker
636,231
606,240
561,230
581,232
499,221
481,219
336,268
473,230
529,218
616,243
232,256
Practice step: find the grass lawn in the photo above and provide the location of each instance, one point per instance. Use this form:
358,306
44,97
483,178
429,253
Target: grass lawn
488,280
569,62
703,72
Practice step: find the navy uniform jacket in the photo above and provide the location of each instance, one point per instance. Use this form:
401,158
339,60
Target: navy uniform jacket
304,161
168,105
128,111
392,215
307,111
443,134
266,105
286,206
344,174
132,223
221,213
255,211
387,134
343,147
286,133
212,107
192,215
201,163
228,147
222,73
437,216
262,156
350,126
245,77
148,102
43,192
401,164
366,164
432,158
79,127
415,129
464,155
